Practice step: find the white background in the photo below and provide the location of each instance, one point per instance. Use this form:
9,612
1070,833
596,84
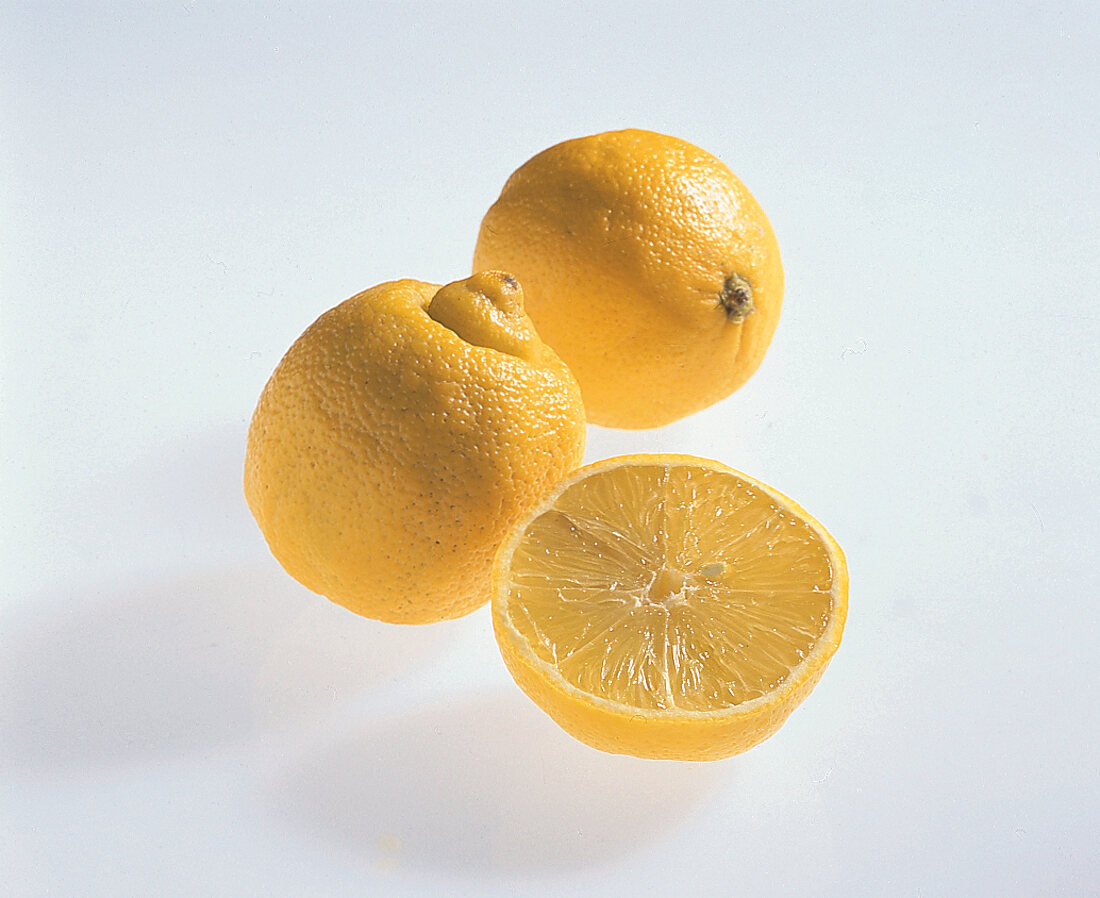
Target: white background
183,188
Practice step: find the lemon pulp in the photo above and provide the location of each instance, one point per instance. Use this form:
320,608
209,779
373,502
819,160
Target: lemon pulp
670,587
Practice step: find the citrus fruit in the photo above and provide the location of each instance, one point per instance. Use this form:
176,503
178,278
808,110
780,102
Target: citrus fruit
667,606
399,439
647,265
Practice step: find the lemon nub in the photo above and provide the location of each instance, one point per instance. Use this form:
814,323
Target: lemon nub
487,310
670,587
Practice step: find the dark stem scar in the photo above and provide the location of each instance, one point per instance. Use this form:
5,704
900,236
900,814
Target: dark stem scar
736,298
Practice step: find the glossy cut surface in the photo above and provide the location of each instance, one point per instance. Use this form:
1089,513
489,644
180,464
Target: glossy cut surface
675,590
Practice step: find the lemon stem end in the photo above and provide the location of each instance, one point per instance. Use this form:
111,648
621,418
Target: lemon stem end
736,298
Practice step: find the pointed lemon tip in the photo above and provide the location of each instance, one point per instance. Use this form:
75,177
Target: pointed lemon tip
487,310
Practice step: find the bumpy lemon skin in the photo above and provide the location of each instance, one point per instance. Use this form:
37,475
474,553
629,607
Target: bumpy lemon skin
628,243
387,456
662,735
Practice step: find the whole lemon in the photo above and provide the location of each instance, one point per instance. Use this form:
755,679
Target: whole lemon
647,265
400,438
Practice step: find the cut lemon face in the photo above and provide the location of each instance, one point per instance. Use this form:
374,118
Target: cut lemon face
666,606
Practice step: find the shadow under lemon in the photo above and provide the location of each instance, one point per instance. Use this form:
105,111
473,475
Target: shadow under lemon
485,785
170,669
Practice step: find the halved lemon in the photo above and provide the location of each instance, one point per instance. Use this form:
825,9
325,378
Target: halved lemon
667,606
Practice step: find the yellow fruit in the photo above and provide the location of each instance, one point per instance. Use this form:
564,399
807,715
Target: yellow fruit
400,438
647,266
666,606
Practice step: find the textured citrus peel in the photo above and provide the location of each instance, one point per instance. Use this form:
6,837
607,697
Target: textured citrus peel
647,265
388,456
487,310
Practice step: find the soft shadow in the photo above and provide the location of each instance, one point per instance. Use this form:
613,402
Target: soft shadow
173,668
486,785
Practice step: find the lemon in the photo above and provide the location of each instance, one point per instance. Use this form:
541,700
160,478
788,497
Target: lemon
400,438
647,265
667,606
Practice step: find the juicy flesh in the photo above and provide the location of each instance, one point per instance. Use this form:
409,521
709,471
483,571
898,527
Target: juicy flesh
670,587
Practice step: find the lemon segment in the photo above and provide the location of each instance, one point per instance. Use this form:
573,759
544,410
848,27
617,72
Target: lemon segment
667,606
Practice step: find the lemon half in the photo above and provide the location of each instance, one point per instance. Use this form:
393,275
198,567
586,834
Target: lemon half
667,606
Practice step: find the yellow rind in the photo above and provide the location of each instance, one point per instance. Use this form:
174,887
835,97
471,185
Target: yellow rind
625,242
388,456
